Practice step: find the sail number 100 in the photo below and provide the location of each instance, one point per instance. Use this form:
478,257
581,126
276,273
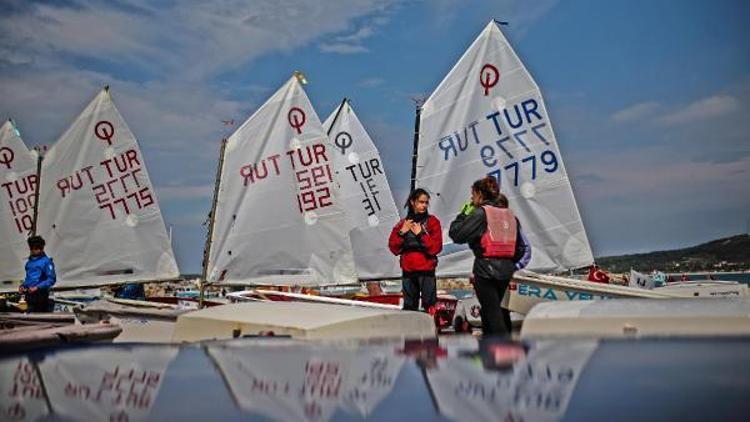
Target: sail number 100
547,160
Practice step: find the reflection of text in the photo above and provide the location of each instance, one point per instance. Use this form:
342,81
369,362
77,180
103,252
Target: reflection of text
130,389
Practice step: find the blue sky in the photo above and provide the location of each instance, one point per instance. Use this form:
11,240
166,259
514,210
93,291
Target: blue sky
649,99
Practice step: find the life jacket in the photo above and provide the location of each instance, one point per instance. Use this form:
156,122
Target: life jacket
499,241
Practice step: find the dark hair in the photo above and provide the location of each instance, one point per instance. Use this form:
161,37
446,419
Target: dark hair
36,242
413,196
488,188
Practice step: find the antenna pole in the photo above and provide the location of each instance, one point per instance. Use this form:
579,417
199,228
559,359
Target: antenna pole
211,221
416,147
336,117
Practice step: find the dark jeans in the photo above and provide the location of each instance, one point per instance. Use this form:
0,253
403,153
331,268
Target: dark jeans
416,283
38,301
495,319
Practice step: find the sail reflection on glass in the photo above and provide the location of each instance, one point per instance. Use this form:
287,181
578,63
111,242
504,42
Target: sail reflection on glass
97,208
278,216
18,181
94,384
307,381
22,395
365,193
503,380
487,117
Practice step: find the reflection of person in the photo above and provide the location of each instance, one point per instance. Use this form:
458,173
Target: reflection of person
40,276
418,239
494,235
498,355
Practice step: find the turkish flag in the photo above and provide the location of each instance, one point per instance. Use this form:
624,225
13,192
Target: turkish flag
597,275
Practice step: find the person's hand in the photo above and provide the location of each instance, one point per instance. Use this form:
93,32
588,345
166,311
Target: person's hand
467,208
33,289
406,226
416,228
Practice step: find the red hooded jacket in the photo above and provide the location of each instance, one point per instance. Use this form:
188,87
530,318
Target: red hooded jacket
423,258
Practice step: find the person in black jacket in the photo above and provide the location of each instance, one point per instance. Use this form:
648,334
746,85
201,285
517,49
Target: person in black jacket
491,275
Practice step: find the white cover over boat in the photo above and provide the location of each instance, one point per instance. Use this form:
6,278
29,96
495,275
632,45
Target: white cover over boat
487,117
365,193
18,181
98,210
278,217
301,320
639,318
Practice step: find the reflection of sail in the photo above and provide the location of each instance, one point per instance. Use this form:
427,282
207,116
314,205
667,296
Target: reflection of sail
307,382
487,117
536,387
98,209
22,394
17,187
119,384
278,214
365,193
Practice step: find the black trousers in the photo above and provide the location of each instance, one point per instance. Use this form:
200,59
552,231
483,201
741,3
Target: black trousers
416,284
38,301
490,292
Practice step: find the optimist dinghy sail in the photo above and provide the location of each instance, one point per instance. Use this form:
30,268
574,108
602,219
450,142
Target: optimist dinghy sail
487,117
18,182
98,210
277,217
365,193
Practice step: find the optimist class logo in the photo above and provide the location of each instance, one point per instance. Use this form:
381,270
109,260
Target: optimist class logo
488,77
296,119
6,156
104,131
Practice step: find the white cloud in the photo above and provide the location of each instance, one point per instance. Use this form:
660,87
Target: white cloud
635,112
342,48
705,108
371,82
190,40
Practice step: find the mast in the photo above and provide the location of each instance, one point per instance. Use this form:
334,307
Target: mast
39,159
415,150
211,221
336,117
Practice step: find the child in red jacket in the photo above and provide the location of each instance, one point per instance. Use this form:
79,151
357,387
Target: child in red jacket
418,239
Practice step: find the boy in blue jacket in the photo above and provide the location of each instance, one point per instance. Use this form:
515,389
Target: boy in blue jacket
40,276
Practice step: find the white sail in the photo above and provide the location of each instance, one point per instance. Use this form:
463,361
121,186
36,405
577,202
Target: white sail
278,217
18,181
98,210
365,193
487,117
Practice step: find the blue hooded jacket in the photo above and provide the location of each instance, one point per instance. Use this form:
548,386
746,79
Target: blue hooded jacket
40,272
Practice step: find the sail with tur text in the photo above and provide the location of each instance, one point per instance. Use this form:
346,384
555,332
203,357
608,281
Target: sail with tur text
98,210
488,117
278,217
365,193
18,182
